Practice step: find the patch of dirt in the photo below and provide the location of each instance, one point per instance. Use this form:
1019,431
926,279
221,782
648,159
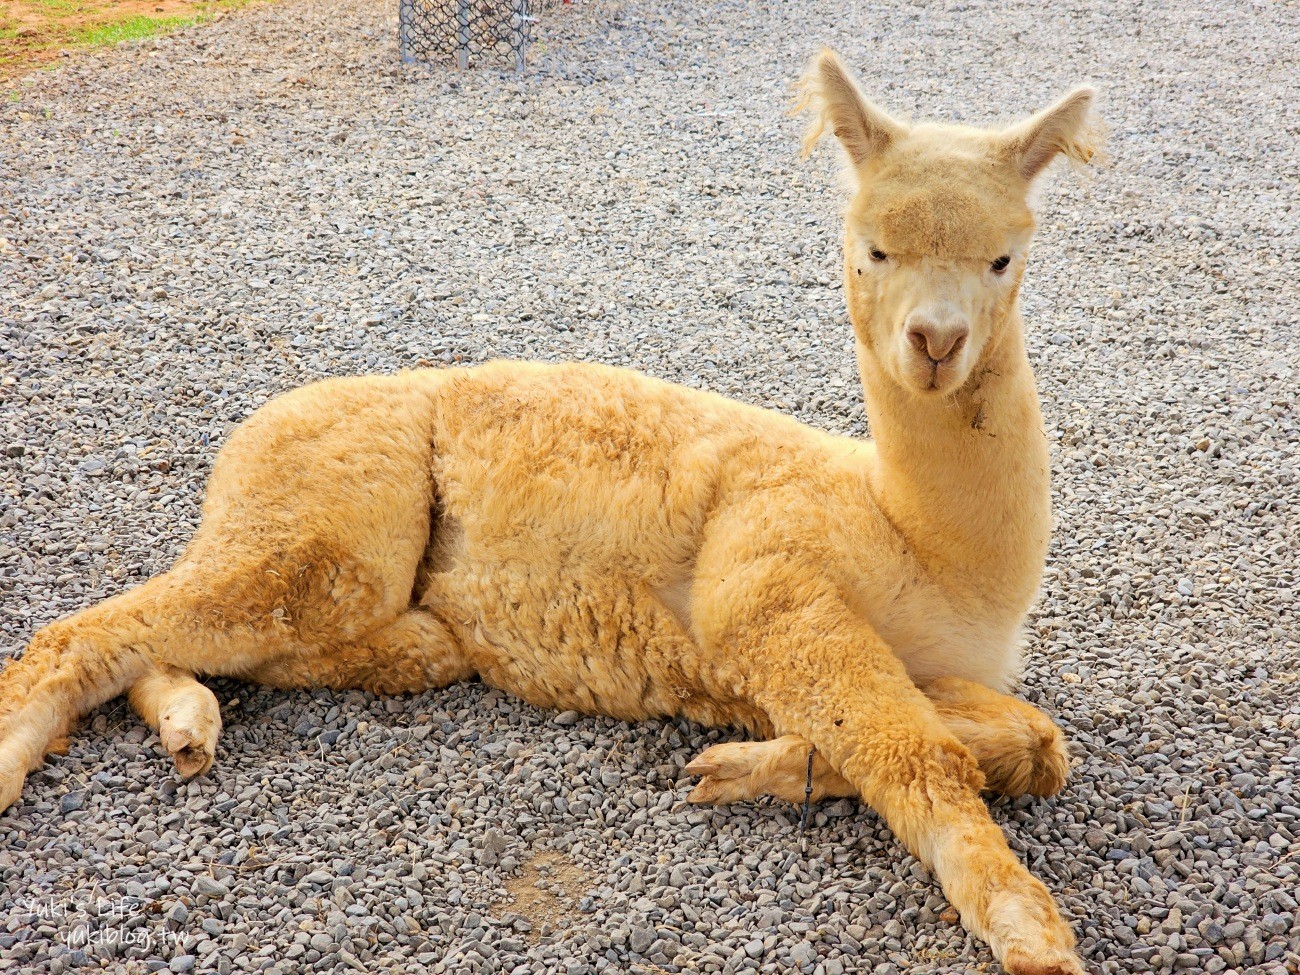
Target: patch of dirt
36,32
539,904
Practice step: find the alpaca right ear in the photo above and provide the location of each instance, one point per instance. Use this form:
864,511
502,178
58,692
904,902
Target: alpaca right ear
1066,128
830,92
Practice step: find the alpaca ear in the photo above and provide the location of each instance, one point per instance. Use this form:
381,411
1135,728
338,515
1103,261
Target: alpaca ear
830,92
1067,127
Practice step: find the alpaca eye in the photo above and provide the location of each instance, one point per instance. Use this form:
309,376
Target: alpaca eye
1001,263
878,256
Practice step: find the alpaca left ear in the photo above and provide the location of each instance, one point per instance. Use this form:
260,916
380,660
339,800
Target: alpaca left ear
830,92
1067,128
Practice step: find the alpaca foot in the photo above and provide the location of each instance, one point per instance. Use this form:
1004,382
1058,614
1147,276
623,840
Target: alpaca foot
11,785
1042,961
1019,749
1036,763
725,772
739,770
1028,935
189,729
20,755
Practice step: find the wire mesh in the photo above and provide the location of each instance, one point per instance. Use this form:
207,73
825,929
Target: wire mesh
467,32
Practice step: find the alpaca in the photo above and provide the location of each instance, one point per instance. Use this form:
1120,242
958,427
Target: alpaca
590,538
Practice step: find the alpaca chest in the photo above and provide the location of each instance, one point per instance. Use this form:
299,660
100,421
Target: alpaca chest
935,635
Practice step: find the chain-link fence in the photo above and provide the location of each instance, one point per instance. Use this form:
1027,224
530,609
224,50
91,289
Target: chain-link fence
466,32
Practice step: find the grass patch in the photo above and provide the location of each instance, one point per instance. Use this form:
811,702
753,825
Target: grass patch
33,32
57,8
129,29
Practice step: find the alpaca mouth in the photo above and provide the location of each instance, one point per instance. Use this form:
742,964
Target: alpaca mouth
935,376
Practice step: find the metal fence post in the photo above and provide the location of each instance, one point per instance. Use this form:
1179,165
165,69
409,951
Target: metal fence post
405,25
517,37
462,34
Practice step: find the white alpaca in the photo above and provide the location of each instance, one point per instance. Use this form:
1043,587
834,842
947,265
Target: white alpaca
590,538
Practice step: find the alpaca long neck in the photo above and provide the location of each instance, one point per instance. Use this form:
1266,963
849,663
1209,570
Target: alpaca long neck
965,478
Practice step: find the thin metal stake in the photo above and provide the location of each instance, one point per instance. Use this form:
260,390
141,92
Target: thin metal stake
807,805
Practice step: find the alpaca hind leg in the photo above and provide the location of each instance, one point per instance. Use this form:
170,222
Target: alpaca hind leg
183,712
415,652
68,668
76,664
1019,750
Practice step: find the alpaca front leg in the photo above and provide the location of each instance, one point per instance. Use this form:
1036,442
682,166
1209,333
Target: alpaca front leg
739,770
827,677
1018,748
184,713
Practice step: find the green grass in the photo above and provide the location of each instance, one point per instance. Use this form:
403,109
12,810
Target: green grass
57,6
31,47
129,29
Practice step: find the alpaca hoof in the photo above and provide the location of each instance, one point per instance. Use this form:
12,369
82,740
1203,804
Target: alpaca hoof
11,787
1045,962
1038,767
727,772
189,734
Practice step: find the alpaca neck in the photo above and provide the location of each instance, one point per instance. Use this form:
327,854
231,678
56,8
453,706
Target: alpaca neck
964,478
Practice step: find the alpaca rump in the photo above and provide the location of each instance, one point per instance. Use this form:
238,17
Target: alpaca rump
590,538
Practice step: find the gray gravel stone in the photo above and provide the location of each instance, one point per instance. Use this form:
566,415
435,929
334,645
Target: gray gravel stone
210,887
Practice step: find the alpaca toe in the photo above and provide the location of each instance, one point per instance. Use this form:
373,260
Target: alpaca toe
191,740
729,760
189,749
720,792
192,760
726,772
190,752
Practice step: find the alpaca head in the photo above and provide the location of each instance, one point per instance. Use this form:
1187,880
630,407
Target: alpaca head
938,228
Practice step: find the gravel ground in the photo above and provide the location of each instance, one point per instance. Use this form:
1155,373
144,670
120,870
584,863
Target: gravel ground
192,225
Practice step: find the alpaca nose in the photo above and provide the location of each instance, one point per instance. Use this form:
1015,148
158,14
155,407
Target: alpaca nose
935,340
